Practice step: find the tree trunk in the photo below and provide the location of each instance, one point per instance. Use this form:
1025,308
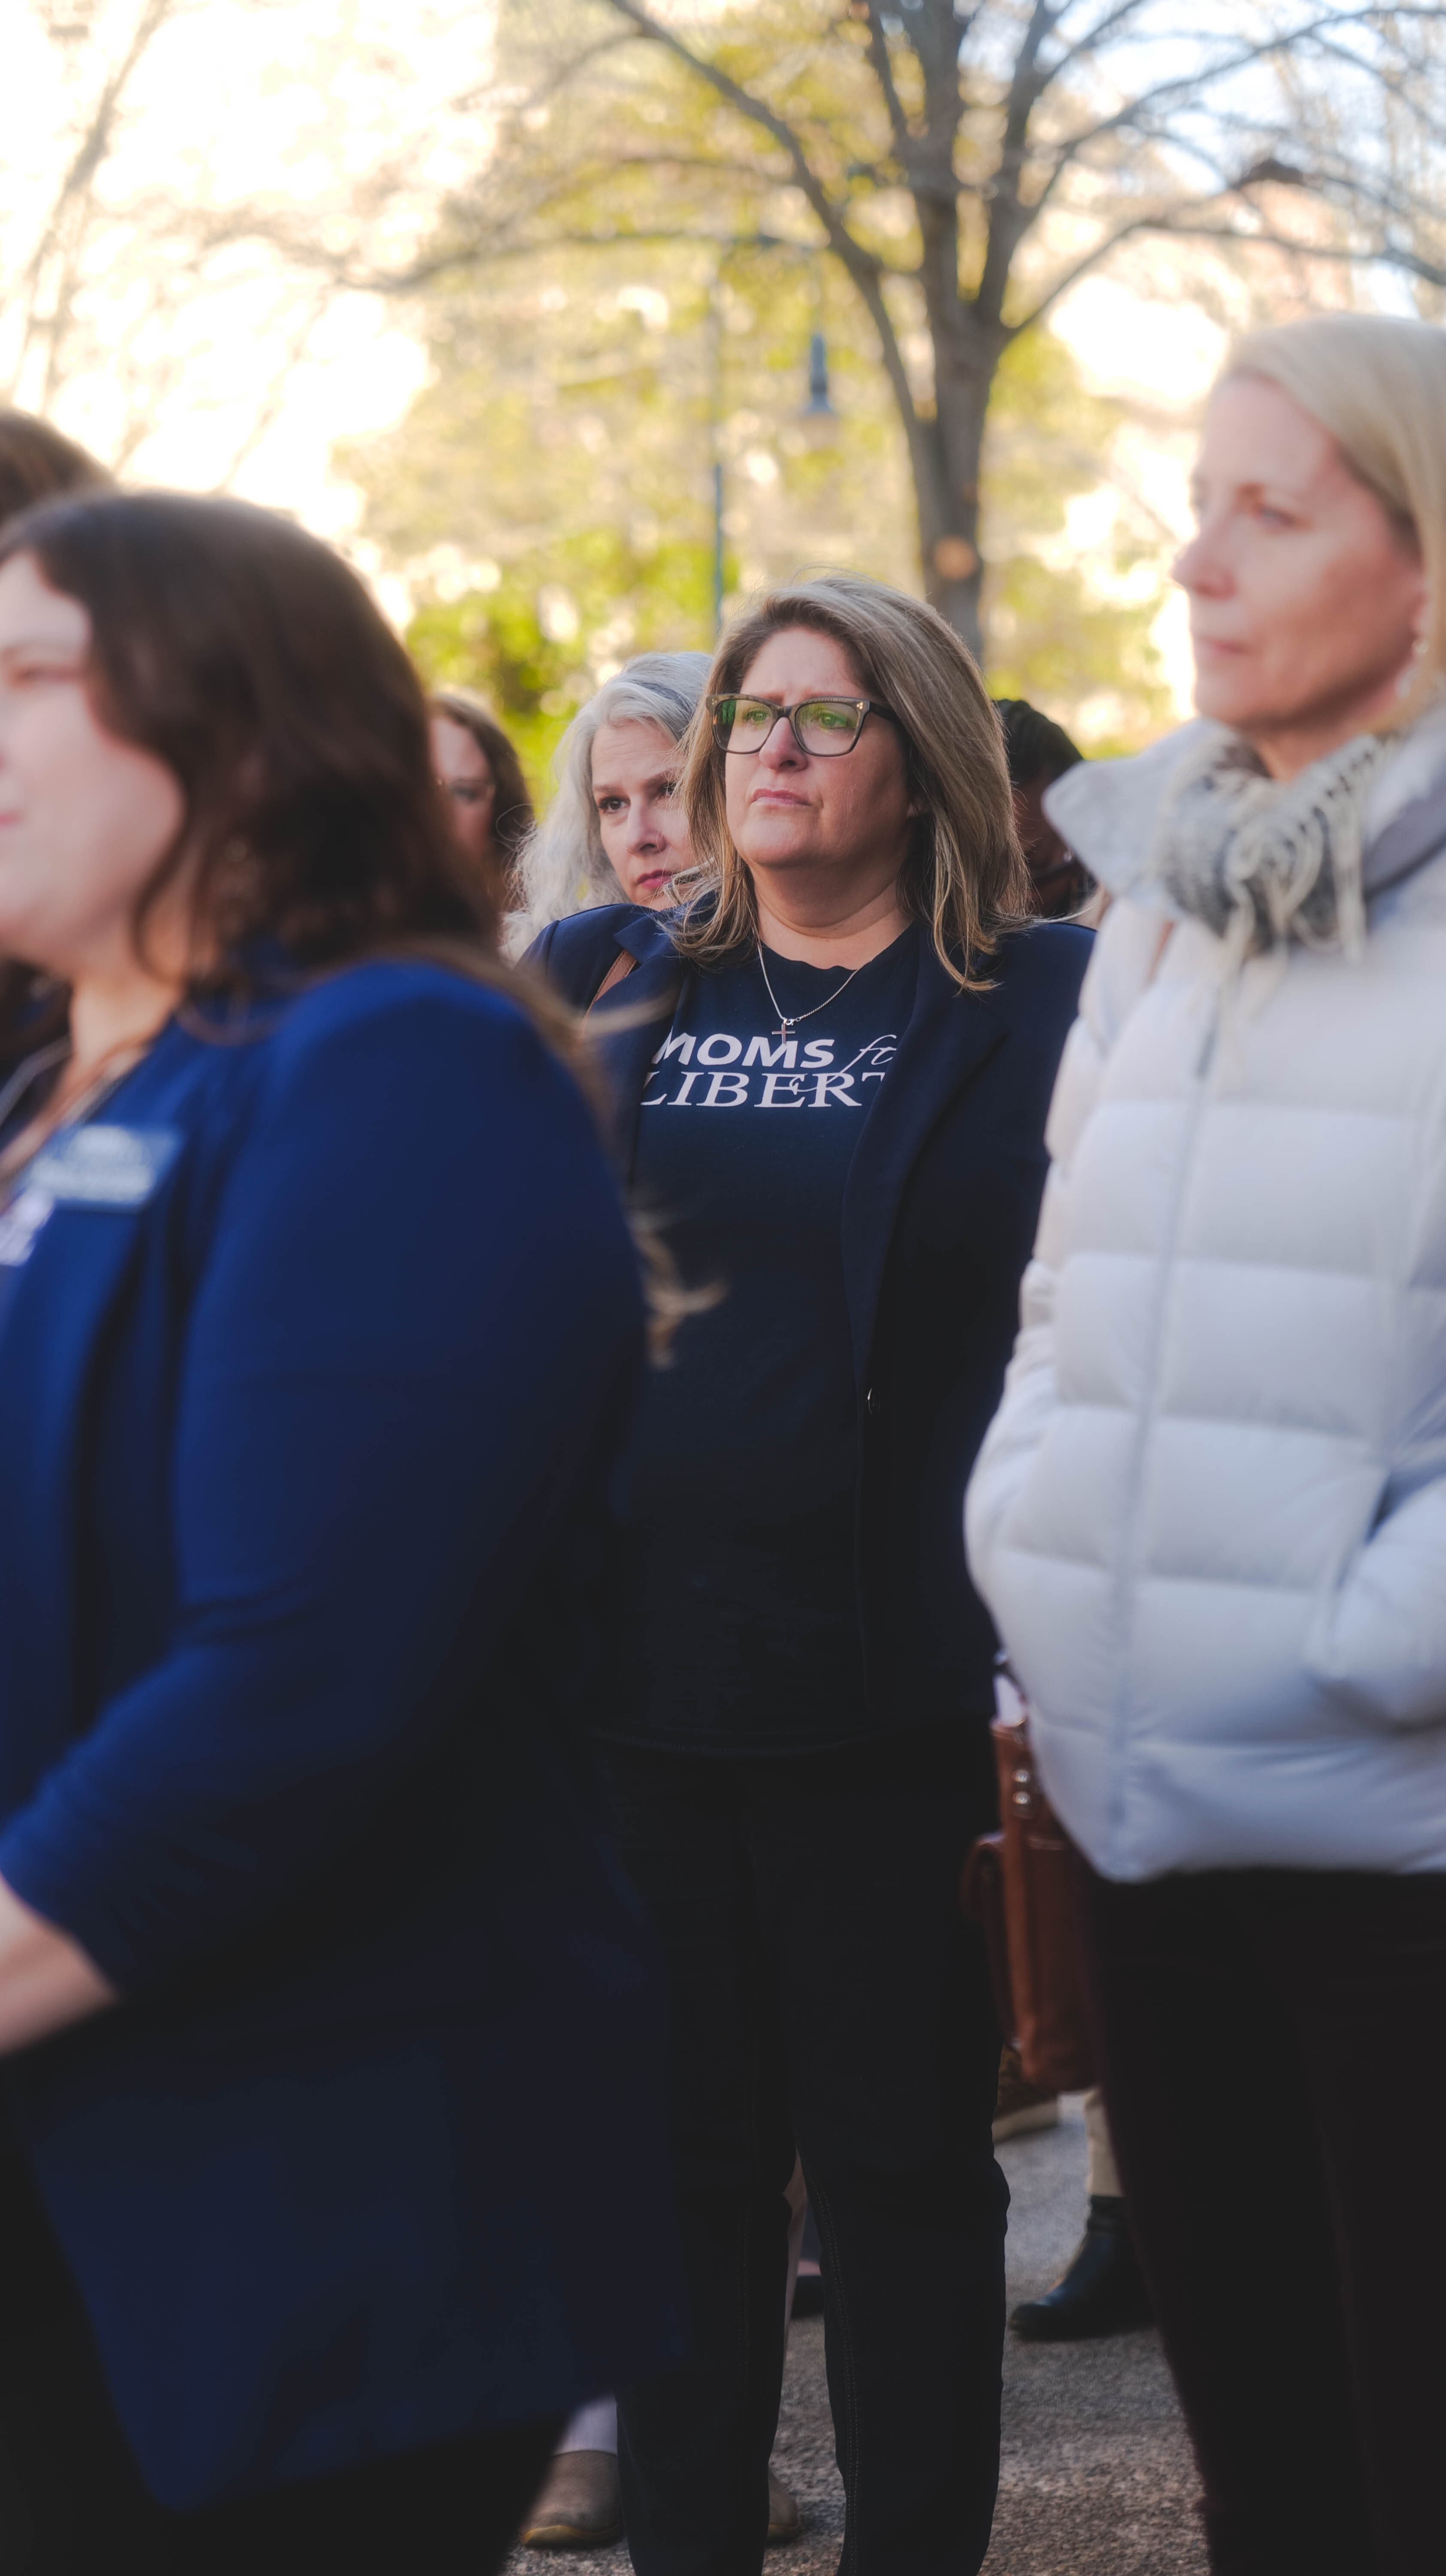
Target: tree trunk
946,453
968,340
948,513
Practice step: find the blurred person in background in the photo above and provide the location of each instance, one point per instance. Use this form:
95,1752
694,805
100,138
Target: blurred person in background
829,1074
1211,1515
615,831
1038,752
481,777
37,462
307,1936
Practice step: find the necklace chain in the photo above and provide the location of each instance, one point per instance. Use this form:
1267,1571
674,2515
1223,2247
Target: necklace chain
106,1076
785,1023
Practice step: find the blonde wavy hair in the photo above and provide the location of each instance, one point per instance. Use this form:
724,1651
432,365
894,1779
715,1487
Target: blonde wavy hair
964,873
1377,383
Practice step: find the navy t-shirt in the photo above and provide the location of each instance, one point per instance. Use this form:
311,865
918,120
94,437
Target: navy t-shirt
745,1463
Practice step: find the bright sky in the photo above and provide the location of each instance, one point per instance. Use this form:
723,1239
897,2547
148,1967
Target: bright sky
292,103
1159,358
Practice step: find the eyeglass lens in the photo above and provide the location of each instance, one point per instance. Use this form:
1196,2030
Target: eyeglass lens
820,725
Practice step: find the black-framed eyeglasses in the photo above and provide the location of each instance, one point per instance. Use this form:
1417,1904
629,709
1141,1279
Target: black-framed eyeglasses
822,727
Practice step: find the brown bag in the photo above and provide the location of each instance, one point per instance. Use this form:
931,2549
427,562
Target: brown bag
1019,1884
982,1895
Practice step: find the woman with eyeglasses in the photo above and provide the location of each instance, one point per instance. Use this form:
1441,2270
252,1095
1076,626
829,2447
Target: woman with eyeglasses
481,777
616,830
830,1076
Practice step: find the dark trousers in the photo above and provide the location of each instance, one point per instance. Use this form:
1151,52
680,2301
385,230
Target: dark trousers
71,2498
1273,2050
824,1990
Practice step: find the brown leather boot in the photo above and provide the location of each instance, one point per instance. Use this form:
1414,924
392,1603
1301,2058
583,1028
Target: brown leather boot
579,2507
782,2513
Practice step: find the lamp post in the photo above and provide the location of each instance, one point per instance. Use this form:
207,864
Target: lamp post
818,407
717,545
715,321
817,416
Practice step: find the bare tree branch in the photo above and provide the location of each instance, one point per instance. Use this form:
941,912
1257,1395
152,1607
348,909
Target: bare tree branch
861,265
1431,272
884,75
1082,47
1009,217
268,411
60,242
1136,115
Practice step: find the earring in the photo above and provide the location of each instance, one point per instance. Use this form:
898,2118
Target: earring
1407,681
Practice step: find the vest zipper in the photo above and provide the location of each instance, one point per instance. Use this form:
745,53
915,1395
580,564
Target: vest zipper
1126,1579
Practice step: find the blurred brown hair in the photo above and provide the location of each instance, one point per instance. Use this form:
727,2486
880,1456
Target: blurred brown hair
247,657
36,462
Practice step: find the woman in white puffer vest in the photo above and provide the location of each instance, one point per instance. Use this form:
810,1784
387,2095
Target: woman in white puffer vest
1210,1517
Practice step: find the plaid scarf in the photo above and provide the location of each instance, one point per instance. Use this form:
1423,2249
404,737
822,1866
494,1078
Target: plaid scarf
1262,861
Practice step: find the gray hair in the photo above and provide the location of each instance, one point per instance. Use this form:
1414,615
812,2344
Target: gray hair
561,866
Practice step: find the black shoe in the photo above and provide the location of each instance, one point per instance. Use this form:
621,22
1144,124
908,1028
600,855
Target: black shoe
1102,2293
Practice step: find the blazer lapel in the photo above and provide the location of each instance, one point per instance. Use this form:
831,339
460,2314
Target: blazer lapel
628,1025
948,1038
53,1323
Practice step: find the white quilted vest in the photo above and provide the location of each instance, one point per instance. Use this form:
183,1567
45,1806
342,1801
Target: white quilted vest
1210,1516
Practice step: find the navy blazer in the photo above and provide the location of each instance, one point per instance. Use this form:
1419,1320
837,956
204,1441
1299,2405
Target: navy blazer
938,1221
304,1524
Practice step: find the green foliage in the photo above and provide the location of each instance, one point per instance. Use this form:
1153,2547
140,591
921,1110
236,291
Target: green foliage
1077,642
625,599
1054,640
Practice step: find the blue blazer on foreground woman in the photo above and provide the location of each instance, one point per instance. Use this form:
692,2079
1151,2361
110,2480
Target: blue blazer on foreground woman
310,1386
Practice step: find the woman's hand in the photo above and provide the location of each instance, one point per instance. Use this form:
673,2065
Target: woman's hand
1378,1644
46,1980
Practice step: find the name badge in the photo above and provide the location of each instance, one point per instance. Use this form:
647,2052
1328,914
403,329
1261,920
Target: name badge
103,1167
20,1225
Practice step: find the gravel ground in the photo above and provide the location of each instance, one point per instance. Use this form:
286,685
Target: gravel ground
1096,2477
